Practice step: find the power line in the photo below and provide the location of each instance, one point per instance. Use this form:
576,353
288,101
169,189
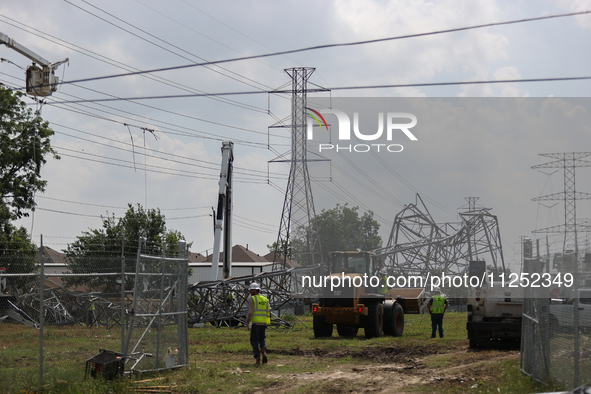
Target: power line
158,38
326,46
166,111
151,168
385,86
204,35
115,217
115,207
218,138
214,166
112,62
231,28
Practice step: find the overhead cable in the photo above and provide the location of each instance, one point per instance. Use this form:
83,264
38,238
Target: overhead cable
392,86
326,46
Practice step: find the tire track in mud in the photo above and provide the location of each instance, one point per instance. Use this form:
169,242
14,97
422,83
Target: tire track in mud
392,369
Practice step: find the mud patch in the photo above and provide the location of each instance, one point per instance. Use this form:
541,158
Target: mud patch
382,354
392,369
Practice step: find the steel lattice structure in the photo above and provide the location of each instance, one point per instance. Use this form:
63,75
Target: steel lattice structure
568,162
298,205
63,307
224,300
417,245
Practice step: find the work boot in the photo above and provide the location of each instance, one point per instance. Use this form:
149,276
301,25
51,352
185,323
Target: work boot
257,360
264,357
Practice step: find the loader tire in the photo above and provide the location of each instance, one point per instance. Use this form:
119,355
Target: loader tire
374,321
393,319
396,323
322,329
346,330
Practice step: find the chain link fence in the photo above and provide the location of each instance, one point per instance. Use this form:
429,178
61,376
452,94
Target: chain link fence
138,295
556,340
158,324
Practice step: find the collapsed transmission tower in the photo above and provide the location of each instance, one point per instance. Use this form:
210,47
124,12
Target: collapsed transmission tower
298,206
417,245
568,162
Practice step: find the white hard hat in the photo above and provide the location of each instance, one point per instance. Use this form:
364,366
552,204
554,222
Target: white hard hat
254,286
438,289
383,271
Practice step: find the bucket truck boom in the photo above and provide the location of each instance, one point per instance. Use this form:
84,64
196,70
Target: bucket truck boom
40,81
223,215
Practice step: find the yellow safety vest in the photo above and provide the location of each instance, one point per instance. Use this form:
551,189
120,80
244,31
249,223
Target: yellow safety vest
260,315
438,304
383,286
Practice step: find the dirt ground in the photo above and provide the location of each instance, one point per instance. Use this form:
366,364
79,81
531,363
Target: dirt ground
394,370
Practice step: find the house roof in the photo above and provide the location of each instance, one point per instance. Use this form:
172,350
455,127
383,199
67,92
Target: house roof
240,253
53,256
196,257
288,262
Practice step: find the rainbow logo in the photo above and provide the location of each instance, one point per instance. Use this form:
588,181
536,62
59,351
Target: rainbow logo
316,119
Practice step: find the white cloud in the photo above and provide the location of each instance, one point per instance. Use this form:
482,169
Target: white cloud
577,6
199,124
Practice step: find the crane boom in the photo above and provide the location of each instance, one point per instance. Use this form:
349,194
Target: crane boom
41,81
223,216
10,43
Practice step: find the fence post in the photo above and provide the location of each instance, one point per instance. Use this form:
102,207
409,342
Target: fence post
135,295
182,290
576,320
122,295
41,311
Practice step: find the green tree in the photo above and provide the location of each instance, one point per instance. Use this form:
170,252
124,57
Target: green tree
498,271
284,249
24,147
99,250
17,253
340,229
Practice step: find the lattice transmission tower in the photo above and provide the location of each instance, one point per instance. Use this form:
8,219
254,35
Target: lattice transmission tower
568,162
298,205
417,245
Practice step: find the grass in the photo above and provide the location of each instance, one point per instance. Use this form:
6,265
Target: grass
509,380
221,360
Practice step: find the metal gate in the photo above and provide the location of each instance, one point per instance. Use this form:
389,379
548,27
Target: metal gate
157,327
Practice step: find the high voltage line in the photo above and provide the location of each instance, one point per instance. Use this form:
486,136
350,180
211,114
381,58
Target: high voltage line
383,86
333,88
326,46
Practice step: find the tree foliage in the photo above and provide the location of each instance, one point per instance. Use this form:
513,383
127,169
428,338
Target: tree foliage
100,250
24,147
339,229
17,253
497,271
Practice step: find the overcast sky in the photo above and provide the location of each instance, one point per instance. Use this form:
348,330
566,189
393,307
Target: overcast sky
101,144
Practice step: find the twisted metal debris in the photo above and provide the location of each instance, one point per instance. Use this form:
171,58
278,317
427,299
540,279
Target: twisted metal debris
226,300
64,307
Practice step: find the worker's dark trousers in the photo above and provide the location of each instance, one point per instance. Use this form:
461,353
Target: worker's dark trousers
257,339
436,322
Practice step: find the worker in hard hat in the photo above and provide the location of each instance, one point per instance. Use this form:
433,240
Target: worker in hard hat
259,316
437,306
